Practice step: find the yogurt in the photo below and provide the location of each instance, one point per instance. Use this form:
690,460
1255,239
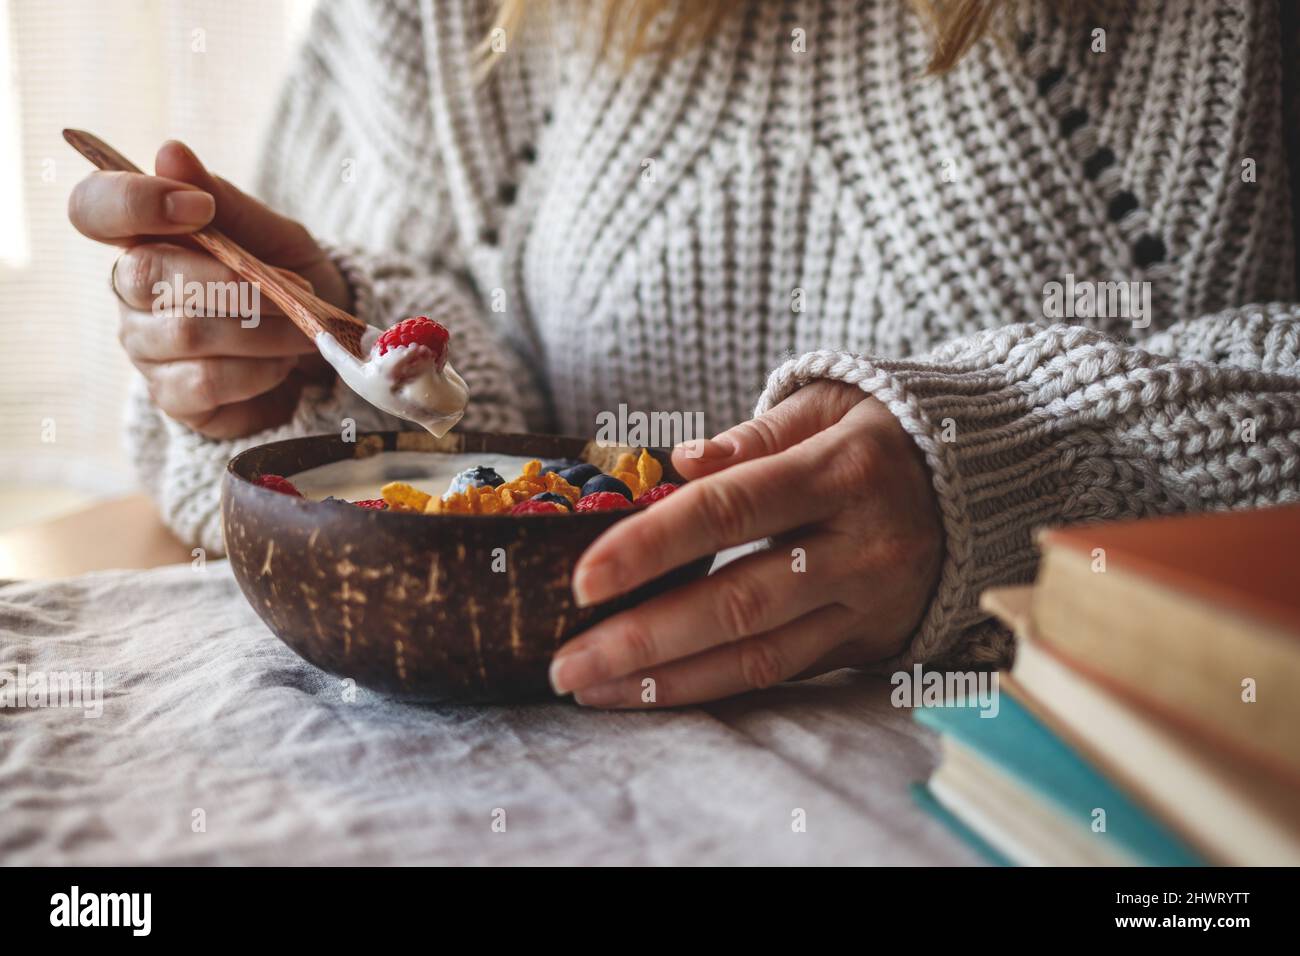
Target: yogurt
399,383
431,472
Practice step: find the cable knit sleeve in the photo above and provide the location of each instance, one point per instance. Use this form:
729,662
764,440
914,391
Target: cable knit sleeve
1027,426
352,155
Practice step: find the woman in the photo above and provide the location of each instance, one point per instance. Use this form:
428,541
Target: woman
724,188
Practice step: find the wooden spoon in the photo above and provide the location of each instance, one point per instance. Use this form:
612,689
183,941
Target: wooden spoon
307,311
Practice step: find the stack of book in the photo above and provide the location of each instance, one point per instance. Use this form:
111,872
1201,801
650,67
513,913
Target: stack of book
1152,715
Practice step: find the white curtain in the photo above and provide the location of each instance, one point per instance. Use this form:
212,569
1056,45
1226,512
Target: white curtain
135,72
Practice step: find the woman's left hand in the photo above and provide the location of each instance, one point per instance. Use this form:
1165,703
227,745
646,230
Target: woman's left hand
831,476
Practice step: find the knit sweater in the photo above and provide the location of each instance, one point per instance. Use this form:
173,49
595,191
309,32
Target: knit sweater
793,193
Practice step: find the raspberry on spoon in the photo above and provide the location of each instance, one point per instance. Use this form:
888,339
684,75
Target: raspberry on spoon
418,331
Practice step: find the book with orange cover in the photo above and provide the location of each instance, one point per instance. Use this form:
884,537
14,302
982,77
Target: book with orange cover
1195,618
1221,805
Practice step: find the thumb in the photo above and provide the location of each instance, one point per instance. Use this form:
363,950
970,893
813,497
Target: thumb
270,236
809,410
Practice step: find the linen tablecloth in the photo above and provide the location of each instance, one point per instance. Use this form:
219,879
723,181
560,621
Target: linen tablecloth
217,744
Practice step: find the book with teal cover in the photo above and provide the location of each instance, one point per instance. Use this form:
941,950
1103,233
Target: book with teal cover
925,799
1021,747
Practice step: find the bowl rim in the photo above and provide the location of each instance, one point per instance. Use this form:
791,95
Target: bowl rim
231,474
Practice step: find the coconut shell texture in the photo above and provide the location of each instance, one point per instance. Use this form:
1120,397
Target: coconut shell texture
410,604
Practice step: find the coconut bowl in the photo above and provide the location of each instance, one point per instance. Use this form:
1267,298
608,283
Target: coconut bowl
410,604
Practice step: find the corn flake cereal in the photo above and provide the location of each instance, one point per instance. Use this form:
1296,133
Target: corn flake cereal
403,497
472,501
557,485
522,488
632,480
454,504
649,470
640,473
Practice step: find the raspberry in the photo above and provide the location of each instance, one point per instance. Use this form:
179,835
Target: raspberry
372,504
657,493
420,330
534,507
278,483
602,501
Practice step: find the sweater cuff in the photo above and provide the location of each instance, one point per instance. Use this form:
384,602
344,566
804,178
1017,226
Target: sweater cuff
990,503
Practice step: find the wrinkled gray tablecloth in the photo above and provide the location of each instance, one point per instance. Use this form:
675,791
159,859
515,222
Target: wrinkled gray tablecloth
204,710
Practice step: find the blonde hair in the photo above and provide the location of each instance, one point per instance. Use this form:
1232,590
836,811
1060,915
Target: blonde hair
956,25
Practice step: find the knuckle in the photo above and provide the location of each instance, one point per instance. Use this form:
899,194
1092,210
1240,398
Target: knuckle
888,551
639,646
861,561
854,468
760,664
186,333
138,199
299,236
154,385
728,513
900,552
134,276
294,244
758,434
744,605
205,383
836,399
136,334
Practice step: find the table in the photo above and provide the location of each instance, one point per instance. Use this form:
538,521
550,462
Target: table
215,744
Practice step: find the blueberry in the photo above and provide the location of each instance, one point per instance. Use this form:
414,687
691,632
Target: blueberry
554,499
486,475
579,475
559,465
606,483
479,476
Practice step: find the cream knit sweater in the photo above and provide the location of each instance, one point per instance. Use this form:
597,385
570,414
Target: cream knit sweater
794,194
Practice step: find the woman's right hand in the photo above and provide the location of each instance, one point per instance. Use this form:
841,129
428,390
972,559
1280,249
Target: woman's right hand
213,373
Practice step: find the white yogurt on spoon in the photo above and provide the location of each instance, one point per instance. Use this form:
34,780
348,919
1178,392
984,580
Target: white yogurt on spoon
407,380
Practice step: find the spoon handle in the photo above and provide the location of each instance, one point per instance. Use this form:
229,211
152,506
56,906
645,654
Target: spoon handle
309,312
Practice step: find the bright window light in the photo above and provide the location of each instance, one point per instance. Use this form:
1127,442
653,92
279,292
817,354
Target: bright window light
13,219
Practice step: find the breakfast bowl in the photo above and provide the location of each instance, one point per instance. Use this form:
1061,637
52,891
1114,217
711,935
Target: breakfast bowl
428,606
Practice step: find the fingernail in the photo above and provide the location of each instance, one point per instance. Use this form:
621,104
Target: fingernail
189,207
712,449
597,582
556,676
602,695
566,671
